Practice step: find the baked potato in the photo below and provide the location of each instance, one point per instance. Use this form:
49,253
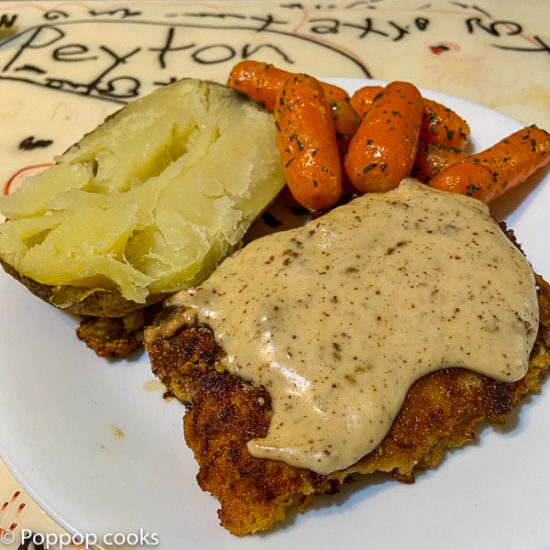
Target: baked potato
146,204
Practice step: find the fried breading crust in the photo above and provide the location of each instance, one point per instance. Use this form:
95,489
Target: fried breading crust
116,337
441,411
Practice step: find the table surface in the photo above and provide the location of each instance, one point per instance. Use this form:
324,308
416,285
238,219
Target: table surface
64,66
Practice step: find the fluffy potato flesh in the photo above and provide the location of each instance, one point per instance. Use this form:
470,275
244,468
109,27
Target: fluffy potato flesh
151,200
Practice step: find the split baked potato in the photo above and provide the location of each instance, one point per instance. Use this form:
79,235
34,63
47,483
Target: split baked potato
145,205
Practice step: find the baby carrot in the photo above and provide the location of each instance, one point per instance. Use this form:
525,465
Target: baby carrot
439,123
431,158
346,123
306,138
443,126
382,151
362,99
262,82
509,162
334,93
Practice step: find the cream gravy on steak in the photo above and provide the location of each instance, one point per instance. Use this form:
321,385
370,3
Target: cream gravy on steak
338,318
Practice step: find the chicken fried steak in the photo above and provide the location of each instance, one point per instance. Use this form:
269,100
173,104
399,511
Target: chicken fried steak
441,411
353,344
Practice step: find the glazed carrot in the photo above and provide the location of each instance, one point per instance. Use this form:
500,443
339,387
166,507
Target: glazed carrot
334,93
346,123
439,123
262,82
431,158
306,138
443,126
362,99
382,151
488,174
345,118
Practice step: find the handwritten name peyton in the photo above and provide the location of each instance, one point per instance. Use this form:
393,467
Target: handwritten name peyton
120,54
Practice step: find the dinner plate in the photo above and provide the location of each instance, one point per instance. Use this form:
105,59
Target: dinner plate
96,445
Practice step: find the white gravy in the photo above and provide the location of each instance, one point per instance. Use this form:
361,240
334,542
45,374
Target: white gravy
337,319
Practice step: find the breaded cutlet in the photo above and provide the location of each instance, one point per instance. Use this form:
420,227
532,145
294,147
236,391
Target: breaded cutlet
223,412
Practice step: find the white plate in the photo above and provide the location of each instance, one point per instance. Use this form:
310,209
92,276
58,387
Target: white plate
61,406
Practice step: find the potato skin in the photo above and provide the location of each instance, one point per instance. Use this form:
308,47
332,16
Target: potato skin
95,302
